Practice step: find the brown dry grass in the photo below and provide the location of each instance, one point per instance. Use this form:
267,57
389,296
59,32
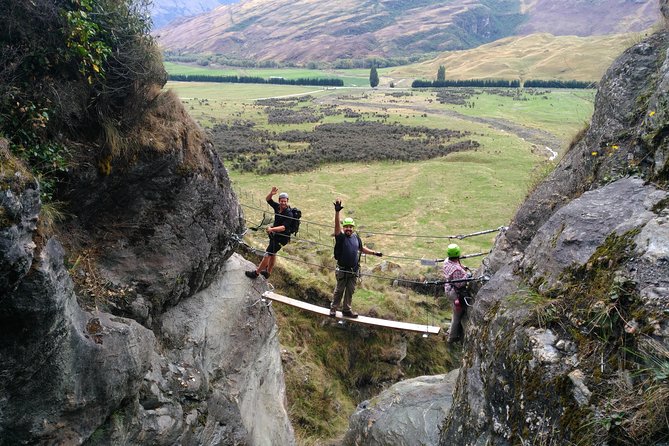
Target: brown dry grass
167,126
537,56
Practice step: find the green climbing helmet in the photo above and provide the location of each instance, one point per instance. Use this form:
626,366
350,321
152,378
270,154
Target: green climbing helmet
348,221
453,250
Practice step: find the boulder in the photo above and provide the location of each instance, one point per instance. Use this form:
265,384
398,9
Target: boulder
161,222
408,413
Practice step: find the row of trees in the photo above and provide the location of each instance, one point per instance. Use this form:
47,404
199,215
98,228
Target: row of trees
533,83
501,83
441,82
339,64
322,82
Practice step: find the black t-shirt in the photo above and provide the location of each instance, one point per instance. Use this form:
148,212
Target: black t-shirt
281,218
349,257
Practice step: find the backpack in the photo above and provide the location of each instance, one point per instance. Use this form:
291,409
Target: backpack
338,247
295,223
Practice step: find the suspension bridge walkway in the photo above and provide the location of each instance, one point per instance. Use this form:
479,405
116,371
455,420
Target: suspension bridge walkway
365,320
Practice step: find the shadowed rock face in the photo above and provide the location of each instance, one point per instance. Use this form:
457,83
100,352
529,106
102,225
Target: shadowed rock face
163,229
63,369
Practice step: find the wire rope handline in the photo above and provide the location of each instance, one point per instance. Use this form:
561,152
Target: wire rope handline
423,260
424,282
393,234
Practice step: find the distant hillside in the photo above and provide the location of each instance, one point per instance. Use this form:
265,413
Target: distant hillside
537,56
588,17
166,11
326,30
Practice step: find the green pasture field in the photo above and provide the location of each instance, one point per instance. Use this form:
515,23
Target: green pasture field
457,194
559,112
562,112
420,203
351,78
211,102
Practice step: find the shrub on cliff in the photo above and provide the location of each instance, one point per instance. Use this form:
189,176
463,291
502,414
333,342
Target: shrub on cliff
73,70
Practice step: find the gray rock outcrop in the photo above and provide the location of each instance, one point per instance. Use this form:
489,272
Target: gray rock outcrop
203,367
408,413
163,223
63,369
576,307
216,377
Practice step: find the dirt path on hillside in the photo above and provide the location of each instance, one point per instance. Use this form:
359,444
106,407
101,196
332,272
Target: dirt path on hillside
546,142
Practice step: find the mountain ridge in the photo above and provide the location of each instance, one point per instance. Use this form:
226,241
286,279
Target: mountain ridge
326,30
164,12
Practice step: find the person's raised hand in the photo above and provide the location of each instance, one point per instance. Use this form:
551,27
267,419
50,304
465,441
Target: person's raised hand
337,205
274,190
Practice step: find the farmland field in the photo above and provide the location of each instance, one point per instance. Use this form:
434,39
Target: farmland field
351,78
456,194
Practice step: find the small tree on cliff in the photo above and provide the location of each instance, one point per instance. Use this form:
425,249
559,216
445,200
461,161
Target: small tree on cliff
373,78
441,73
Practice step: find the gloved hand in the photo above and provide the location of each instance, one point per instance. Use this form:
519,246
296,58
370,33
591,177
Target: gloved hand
378,254
337,205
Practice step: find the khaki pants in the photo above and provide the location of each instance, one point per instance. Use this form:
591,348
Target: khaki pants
345,287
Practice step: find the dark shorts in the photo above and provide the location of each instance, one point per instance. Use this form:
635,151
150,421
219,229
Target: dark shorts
275,244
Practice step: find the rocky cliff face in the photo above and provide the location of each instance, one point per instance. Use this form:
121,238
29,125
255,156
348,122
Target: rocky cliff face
569,333
162,340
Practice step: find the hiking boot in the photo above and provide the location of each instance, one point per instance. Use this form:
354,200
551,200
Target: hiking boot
251,274
265,274
350,314
333,312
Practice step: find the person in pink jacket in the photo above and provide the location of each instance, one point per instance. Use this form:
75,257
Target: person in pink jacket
456,291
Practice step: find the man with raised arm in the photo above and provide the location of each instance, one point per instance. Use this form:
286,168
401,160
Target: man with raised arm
279,233
348,247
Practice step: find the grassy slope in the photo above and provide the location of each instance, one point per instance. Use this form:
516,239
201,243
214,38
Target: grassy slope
537,56
460,193
305,30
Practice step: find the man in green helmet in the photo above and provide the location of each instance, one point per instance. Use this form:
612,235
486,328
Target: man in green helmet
456,291
348,247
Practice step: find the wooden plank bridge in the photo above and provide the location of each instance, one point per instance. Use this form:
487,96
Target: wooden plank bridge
405,326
